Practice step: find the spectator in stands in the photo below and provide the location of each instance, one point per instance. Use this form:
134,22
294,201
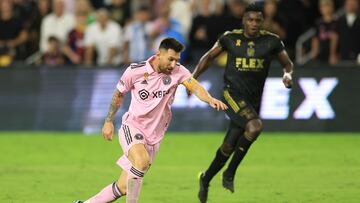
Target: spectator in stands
272,20
325,27
181,11
42,9
202,31
104,37
345,42
74,48
216,7
97,3
300,16
165,26
12,32
57,24
119,11
53,56
22,8
137,44
70,6
233,18
84,7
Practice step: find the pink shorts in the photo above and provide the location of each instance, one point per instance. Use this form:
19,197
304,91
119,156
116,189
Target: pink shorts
129,136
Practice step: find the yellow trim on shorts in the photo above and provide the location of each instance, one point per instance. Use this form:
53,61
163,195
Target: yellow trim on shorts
231,101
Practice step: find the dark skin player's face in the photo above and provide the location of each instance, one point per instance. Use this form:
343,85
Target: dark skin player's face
252,23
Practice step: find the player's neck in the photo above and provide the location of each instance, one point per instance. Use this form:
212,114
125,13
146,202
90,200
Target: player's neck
247,35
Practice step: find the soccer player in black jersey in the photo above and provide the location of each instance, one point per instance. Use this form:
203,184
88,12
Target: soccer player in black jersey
249,54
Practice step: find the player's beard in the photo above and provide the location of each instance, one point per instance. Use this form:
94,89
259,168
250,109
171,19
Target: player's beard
166,70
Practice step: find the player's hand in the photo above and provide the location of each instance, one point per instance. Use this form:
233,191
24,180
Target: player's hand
108,130
217,104
287,80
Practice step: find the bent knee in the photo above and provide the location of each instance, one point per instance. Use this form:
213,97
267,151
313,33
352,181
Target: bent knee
142,163
253,129
227,149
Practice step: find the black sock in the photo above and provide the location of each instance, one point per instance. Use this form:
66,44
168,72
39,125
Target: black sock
215,166
242,147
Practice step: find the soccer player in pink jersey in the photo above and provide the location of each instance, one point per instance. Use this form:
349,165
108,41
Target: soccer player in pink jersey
152,84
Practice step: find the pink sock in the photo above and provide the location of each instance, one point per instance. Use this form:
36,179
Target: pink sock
109,194
134,184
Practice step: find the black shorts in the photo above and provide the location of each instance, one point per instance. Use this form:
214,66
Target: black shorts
240,110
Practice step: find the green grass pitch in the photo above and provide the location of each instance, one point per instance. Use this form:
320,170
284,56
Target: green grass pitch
280,168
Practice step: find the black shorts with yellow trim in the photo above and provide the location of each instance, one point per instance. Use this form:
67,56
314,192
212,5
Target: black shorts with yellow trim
240,110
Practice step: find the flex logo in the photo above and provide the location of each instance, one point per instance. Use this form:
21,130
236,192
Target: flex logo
144,94
249,63
160,94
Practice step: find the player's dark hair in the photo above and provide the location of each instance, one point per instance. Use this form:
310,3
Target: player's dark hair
253,7
171,43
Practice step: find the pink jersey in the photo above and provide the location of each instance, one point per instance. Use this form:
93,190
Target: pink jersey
152,93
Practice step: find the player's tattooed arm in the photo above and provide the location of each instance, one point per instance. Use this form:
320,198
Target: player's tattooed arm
207,59
116,102
200,92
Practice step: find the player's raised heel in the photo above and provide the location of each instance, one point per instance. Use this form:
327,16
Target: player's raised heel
78,201
204,188
228,182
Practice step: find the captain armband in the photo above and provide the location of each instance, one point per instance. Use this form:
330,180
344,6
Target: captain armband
190,83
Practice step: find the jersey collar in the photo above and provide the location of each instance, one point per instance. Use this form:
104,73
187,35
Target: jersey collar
149,68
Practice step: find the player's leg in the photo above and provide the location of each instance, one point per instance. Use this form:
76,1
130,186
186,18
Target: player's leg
233,134
138,156
222,155
135,160
140,161
127,142
122,182
111,192
245,116
252,131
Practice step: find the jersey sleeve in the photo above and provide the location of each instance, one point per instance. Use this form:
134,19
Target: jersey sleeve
184,74
222,41
125,83
278,45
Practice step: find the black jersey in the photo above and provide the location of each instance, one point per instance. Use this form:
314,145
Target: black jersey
248,62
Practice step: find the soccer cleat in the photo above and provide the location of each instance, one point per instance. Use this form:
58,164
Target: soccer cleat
78,201
228,182
204,188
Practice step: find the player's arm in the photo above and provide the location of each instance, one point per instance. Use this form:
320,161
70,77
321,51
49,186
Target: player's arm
108,128
207,59
199,91
288,68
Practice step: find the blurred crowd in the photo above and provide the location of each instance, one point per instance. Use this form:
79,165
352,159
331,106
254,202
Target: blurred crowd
113,32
